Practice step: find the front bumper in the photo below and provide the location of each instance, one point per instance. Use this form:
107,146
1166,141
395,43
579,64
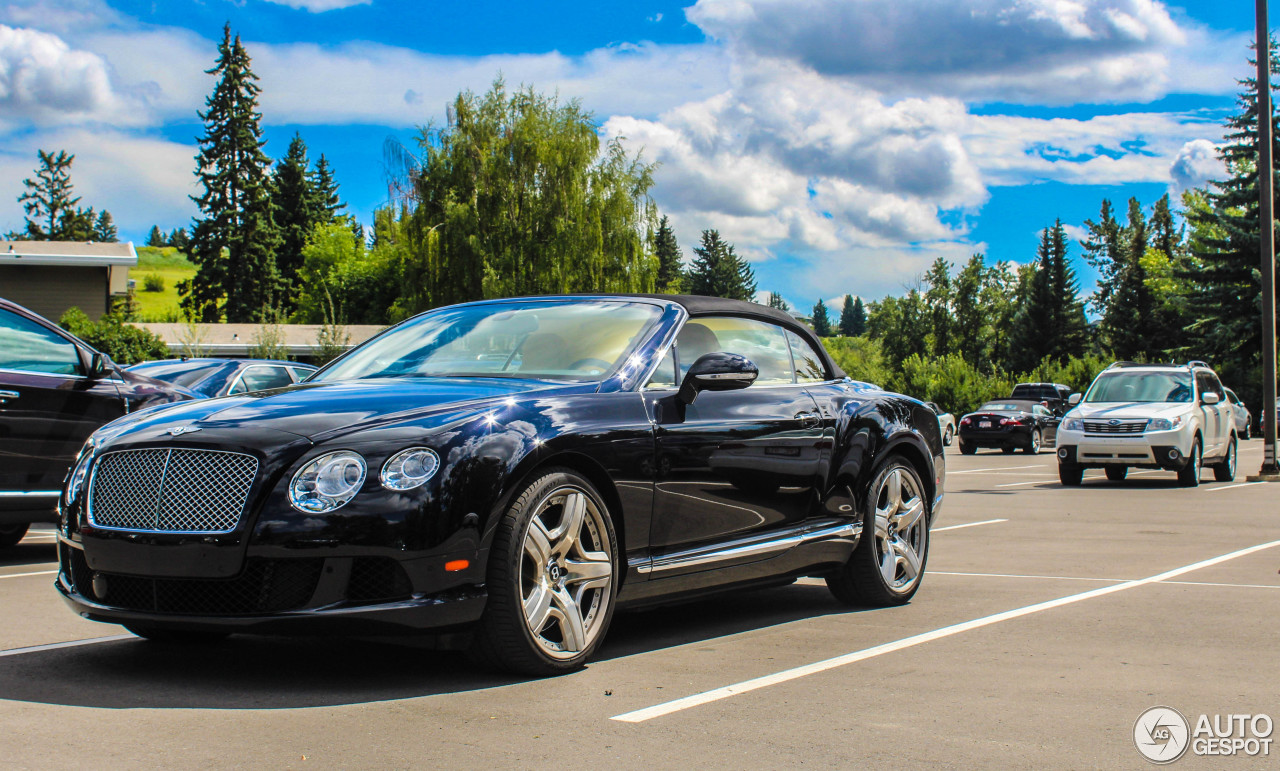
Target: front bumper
304,596
1153,449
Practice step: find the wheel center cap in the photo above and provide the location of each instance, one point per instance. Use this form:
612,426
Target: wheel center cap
554,572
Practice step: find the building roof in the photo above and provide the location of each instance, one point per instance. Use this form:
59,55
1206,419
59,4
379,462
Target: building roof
236,339
79,253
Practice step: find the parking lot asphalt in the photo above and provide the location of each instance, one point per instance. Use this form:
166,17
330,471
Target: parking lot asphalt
1049,619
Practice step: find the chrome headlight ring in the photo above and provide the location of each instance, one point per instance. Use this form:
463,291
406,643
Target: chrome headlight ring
327,482
410,469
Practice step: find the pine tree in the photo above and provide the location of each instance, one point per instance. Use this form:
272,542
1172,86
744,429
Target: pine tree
821,321
1051,322
669,257
179,240
104,229
155,237
937,297
234,243
297,208
859,326
847,317
717,271
1128,322
971,314
776,301
1225,275
325,200
49,201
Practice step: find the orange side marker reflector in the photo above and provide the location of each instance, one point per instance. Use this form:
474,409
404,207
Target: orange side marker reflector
453,566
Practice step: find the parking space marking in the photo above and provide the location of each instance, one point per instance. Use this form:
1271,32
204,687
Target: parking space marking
1214,583
987,470
20,575
967,524
1039,481
1014,575
1232,487
68,644
706,697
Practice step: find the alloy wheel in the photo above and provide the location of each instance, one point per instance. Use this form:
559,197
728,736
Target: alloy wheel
900,530
566,573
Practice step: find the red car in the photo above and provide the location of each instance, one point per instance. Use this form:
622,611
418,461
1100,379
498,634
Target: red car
55,390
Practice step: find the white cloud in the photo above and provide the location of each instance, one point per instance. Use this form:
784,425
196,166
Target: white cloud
1196,164
44,80
320,6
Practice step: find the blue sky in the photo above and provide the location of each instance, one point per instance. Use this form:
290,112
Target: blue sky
842,145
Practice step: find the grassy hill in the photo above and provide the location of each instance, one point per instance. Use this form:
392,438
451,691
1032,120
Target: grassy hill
161,266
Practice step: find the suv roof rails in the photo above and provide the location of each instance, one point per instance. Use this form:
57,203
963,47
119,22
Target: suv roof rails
1123,364
1198,363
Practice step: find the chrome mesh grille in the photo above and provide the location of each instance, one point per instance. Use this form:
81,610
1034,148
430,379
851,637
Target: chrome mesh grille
170,491
1124,427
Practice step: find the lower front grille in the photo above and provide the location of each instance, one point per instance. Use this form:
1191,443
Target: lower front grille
264,586
378,579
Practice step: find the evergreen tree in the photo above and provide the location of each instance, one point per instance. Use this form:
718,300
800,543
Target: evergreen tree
49,200
848,323
669,259
859,326
1051,322
234,243
937,298
901,325
718,271
104,229
325,200
155,237
179,240
821,321
77,225
1224,276
776,301
297,208
971,313
1127,326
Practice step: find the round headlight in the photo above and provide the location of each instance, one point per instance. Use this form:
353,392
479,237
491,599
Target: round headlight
328,482
409,469
77,476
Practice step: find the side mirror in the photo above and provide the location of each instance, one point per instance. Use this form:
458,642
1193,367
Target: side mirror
100,366
1073,399
719,371
1210,398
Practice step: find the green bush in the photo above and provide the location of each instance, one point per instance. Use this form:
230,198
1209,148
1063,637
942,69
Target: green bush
861,358
952,382
124,343
153,282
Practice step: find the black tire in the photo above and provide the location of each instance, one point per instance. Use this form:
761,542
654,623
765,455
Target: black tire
967,449
1070,475
1225,470
10,535
1008,450
1189,475
175,636
947,437
503,639
861,582
1033,448
1116,473
1248,432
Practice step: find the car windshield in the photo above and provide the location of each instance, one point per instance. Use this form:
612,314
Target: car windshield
180,373
1002,407
559,340
1141,387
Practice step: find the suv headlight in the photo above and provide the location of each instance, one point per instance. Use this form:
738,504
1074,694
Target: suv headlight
1164,424
410,469
1074,424
78,474
328,482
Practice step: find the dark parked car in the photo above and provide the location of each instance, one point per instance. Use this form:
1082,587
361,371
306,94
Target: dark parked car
220,377
1010,425
509,473
1051,395
55,390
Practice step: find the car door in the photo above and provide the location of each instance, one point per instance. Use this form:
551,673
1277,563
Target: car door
1214,423
733,464
1048,423
48,407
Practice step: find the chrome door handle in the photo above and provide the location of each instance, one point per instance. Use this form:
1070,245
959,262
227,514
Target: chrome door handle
9,395
808,419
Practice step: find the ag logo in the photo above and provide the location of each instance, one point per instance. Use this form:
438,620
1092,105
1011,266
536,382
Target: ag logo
1161,734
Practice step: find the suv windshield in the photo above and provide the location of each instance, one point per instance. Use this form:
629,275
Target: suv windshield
558,340
1141,387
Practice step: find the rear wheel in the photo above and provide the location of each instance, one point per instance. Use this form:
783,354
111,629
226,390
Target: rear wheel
1117,473
1189,475
1248,431
967,449
946,438
1034,447
551,579
888,564
1226,470
10,535
175,636
1070,474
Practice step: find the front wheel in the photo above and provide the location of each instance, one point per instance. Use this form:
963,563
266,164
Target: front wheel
551,579
1034,447
10,535
1189,475
1248,432
888,564
1070,475
1226,470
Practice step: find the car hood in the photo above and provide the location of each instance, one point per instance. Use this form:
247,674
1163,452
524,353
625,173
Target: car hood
1122,410
314,410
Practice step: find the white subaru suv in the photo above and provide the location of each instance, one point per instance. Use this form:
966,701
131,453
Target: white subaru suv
1174,417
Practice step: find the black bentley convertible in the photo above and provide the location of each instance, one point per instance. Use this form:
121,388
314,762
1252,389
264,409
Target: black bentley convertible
506,474
1010,425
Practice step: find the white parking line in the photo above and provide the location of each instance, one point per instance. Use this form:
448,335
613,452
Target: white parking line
1014,575
967,524
69,644
1039,481
667,708
987,470
20,575
1212,583
1231,487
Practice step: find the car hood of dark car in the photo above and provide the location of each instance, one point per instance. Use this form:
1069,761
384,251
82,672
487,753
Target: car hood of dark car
319,410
